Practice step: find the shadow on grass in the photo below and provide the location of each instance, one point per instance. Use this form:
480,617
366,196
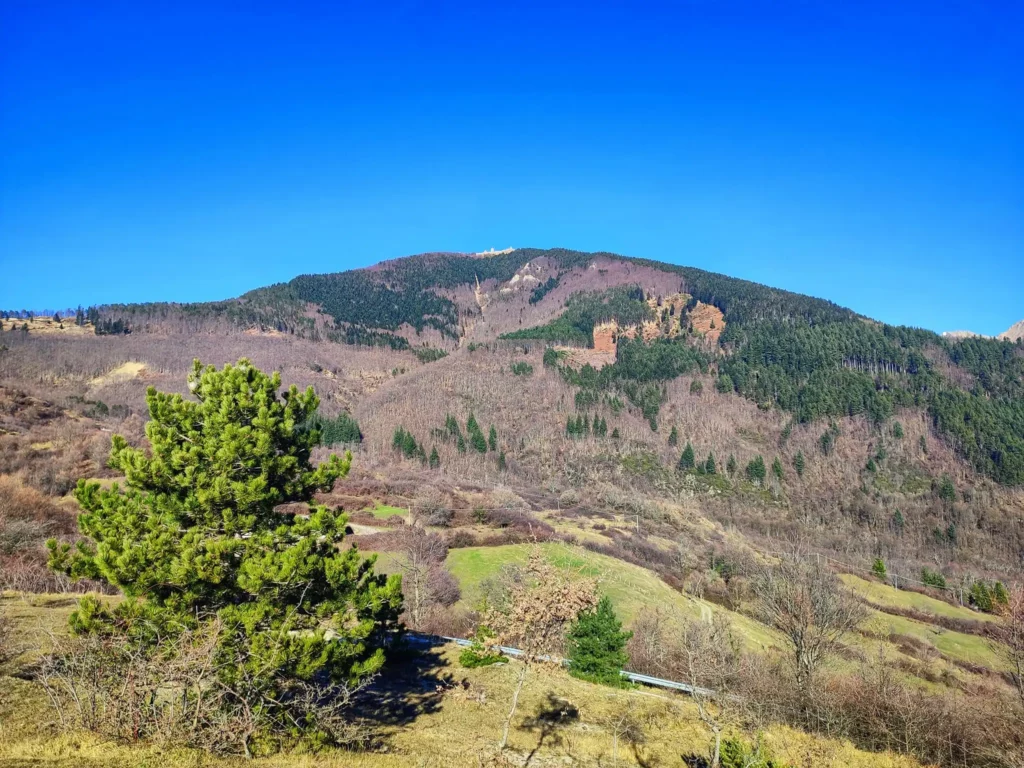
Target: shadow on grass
551,716
412,684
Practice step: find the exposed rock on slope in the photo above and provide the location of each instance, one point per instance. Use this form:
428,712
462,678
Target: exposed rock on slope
1014,332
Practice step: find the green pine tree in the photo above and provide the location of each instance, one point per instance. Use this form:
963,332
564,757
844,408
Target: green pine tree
673,437
981,597
492,439
686,459
193,538
502,466
709,465
947,491
777,469
878,568
460,443
730,465
1000,595
615,433
756,471
799,464
435,460
597,645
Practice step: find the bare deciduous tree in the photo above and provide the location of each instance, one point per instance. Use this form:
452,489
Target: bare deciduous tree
705,654
425,582
806,602
713,663
1014,640
535,615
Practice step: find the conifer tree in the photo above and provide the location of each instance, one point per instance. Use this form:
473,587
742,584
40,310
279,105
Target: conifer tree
501,462
730,465
673,437
686,459
476,435
435,460
755,470
799,464
709,465
878,568
492,439
1000,595
615,433
947,491
597,645
777,469
194,539
460,443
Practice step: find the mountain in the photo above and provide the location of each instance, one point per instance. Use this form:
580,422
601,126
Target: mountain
1014,333
806,356
665,428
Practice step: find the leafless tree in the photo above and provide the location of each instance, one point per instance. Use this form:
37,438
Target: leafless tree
534,617
425,581
806,602
712,661
1014,641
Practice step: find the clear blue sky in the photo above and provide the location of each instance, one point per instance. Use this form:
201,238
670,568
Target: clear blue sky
869,153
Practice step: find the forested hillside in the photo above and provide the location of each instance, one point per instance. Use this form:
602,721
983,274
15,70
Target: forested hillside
804,355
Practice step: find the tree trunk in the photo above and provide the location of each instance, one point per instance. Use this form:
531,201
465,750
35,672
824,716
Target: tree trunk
512,711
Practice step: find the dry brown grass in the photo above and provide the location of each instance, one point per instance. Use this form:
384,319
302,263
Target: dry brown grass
459,723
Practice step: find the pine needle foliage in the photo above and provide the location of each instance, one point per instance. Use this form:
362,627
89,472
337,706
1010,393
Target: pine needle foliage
194,537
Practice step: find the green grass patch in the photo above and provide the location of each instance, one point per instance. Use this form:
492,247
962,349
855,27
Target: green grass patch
955,645
384,511
630,587
884,595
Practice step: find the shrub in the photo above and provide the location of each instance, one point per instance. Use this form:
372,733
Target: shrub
933,578
479,653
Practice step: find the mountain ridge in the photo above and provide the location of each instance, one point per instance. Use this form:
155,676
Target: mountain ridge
804,355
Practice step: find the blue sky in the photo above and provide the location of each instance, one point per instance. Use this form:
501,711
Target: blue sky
872,154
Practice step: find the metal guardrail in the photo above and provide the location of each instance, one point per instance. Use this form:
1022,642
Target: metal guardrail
633,677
